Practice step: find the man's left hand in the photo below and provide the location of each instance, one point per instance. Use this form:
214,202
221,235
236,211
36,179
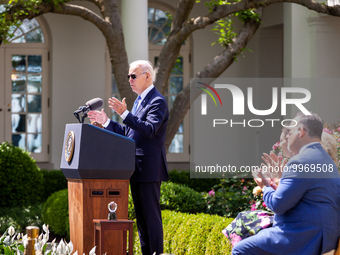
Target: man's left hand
118,106
262,181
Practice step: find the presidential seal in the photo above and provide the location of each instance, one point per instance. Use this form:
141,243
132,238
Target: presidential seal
69,146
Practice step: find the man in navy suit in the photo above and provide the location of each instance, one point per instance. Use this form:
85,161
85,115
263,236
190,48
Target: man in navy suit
146,125
307,201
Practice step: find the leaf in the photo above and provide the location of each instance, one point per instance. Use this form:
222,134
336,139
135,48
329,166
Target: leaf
8,251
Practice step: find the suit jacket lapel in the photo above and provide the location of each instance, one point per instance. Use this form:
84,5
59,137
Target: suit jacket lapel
142,105
145,101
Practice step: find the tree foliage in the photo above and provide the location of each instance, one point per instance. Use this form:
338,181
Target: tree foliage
219,12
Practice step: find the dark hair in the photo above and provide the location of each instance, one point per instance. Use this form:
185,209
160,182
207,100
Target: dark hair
312,123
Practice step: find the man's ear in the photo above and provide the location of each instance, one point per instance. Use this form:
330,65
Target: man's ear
147,76
302,132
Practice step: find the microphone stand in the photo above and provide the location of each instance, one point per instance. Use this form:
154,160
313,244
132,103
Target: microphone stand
82,109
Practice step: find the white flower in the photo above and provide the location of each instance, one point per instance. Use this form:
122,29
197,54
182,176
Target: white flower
70,247
93,251
25,241
13,238
53,241
257,191
46,237
54,248
45,228
7,239
61,249
11,231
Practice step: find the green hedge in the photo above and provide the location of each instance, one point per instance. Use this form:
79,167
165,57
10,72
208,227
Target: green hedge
198,184
54,180
176,197
192,234
21,181
55,213
180,198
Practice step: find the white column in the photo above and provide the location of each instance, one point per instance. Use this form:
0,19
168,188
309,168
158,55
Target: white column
296,44
135,26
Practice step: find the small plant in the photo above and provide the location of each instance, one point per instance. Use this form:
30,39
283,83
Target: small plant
20,217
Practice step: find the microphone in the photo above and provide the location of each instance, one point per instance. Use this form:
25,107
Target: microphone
90,105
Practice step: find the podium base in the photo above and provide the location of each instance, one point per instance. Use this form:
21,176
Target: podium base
88,200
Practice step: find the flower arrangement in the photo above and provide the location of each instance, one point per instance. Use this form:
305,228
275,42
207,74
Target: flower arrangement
257,202
15,244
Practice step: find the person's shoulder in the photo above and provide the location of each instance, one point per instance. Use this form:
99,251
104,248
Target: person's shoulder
156,95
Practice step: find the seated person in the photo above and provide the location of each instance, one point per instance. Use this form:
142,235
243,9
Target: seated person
306,203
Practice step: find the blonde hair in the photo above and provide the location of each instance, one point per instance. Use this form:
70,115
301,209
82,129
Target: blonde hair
328,142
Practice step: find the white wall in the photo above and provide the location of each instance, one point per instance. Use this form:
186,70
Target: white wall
78,72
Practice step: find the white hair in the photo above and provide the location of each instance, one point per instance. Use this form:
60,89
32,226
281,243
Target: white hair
146,66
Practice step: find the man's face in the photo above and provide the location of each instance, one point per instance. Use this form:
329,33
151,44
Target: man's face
138,79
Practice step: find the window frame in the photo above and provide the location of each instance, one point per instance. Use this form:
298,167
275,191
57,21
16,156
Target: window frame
27,48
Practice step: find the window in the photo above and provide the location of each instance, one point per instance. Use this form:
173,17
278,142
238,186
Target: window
24,86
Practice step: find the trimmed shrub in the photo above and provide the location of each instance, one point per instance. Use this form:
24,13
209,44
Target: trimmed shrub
54,181
55,213
180,198
192,234
198,184
21,181
176,197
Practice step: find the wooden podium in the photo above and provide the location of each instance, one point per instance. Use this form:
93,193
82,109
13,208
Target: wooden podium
98,165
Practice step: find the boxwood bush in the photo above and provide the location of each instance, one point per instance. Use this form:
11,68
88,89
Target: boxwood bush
192,234
180,198
55,213
176,197
54,180
21,181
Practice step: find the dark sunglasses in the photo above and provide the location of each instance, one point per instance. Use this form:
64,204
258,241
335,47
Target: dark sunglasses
134,76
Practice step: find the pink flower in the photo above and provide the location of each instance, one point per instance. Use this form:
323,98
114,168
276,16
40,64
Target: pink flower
234,239
327,131
245,188
338,129
211,193
276,145
253,207
338,140
265,222
264,204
